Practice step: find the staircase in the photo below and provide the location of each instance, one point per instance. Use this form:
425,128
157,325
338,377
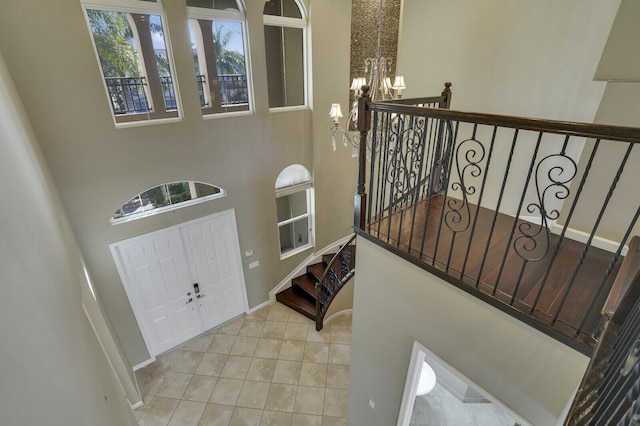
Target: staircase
323,279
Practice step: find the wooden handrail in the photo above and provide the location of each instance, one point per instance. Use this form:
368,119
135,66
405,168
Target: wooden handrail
587,130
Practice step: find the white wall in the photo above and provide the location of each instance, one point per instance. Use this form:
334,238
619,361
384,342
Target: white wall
97,167
52,368
396,303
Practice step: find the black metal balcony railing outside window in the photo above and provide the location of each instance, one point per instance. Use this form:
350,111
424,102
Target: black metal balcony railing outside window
128,94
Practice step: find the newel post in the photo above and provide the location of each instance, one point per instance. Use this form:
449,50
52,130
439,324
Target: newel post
446,96
364,124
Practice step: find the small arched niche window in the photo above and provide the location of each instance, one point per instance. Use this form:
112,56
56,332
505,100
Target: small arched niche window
294,206
285,44
165,197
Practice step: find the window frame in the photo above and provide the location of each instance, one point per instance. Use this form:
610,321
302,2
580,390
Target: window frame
299,23
306,187
239,16
136,7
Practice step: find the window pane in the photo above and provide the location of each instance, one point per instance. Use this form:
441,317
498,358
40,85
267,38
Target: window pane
286,8
219,59
298,202
157,196
294,235
285,65
283,208
127,44
214,4
179,192
202,189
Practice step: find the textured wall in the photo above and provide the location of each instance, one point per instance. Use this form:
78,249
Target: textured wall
364,33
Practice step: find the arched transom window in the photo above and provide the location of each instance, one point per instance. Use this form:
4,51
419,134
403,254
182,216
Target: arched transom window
165,197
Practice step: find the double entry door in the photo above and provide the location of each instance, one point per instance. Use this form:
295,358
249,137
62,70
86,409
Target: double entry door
183,280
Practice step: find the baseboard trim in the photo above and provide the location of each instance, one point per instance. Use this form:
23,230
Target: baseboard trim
258,307
144,363
598,242
299,270
136,405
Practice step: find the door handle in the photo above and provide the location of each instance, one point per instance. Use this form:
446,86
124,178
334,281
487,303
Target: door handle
189,300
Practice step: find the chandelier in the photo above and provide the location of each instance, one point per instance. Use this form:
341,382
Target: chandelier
380,89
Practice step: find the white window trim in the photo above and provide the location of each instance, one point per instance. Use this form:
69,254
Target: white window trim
240,17
310,215
131,6
303,24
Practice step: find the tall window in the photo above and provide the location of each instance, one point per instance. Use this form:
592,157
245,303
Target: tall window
284,37
217,29
294,210
135,60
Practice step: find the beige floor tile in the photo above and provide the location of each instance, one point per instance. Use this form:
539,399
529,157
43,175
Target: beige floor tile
316,352
276,418
335,402
281,397
339,354
200,388
174,385
291,350
217,415
261,369
321,336
306,420
261,314
341,335
231,328
287,372
183,361
159,411
309,400
253,395
273,330
251,328
246,417
211,364
244,346
236,367
146,401
278,312
226,391
149,383
221,343
188,413
338,376
313,374
299,318
268,348
334,421
296,331
199,344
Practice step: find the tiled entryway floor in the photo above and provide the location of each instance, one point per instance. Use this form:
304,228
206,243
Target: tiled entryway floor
270,367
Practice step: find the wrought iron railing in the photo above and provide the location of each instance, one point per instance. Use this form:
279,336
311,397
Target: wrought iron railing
339,270
129,95
488,203
610,390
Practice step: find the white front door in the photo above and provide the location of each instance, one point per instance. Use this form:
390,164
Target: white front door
215,267
158,271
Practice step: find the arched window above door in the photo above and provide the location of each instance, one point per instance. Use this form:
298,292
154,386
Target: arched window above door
166,197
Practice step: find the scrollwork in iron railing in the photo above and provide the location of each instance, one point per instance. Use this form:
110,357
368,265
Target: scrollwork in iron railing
558,170
339,270
469,154
406,153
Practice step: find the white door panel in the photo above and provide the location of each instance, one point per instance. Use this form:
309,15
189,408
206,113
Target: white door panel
159,269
